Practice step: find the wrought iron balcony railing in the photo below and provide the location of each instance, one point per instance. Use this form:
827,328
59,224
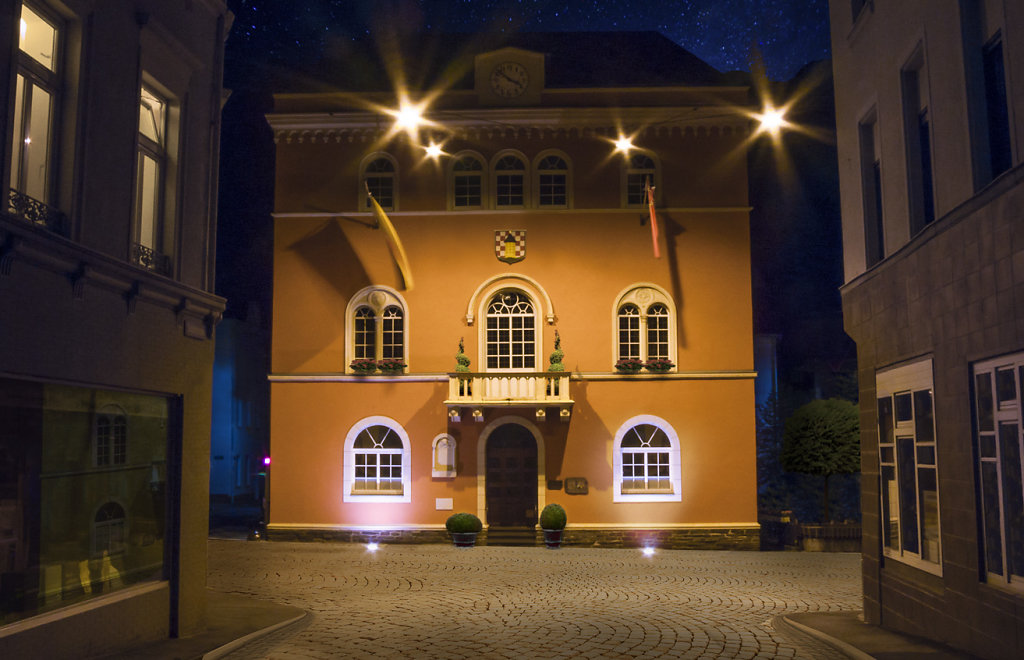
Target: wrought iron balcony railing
36,212
151,259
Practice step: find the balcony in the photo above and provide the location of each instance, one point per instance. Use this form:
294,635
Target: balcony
539,390
33,211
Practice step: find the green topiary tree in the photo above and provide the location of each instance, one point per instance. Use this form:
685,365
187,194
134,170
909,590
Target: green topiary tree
557,355
462,523
552,517
822,438
461,359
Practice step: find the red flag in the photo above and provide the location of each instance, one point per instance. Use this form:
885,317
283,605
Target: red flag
654,217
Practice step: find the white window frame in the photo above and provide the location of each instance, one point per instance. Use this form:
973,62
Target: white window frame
537,330
901,380
538,173
349,462
524,173
644,295
378,299
152,252
116,417
114,523
1009,413
364,204
653,172
675,462
481,175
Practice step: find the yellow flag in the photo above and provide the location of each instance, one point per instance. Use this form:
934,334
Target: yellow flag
394,243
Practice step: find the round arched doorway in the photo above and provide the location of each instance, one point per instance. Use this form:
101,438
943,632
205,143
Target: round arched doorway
511,477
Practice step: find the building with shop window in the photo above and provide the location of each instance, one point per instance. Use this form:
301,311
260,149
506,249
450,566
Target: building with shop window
110,128
930,123
527,229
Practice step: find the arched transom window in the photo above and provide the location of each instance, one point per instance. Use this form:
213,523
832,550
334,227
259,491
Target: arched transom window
509,182
644,325
377,452
640,169
379,175
108,530
552,181
377,325
467,182
646,461
511,332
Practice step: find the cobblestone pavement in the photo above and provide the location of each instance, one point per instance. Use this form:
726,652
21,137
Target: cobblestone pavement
438,601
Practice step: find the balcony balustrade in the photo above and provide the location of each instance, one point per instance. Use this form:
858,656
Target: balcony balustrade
34,211
502,389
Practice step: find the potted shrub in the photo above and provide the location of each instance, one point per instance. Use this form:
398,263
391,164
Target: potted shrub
629,366
461,359
557,355
659,365
363,366
552,523
463,527
391,365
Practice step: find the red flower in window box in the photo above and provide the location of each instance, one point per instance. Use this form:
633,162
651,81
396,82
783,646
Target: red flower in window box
363,366
629,365
659,365
390,365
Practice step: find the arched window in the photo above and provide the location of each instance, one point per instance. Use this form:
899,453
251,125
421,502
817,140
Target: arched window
509,176
647,465
108,530
377,462
640,169
378,325
111,446
552,178
511,332
645,326
467,181
380,175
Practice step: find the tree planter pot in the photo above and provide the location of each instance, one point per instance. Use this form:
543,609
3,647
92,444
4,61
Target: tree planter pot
464,539
553,538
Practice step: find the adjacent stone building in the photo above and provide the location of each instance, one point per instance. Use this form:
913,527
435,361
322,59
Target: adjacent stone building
930,122
110,125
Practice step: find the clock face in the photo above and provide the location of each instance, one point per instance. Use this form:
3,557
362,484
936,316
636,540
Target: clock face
509,79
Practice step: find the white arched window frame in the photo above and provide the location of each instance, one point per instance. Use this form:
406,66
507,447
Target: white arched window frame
645,324
511,329
510,180
552,180
379,172
109,529
646,461
467,179
638,167
377,325
110,437
377,462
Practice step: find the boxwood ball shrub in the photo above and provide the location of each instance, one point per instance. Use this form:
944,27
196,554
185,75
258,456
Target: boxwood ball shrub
552,517
462,523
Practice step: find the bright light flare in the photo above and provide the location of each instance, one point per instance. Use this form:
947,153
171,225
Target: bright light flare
409,117
434,150
648,551
372,547
773,120
266,460
624,144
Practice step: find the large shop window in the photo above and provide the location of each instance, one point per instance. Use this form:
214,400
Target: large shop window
377,462
999,434
511,335
646,461
377,325
907,466
80,515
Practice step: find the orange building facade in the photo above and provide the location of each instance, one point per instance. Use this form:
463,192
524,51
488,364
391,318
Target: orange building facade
529,226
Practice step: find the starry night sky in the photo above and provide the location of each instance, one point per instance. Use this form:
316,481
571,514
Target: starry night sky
788,33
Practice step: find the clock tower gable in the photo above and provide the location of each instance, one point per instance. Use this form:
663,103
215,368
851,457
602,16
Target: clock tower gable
509,77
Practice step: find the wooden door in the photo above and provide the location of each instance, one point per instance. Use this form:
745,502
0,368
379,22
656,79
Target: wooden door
511,477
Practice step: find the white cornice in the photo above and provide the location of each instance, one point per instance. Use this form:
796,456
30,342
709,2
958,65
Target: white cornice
516,122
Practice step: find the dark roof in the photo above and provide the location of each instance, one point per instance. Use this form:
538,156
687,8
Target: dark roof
431,60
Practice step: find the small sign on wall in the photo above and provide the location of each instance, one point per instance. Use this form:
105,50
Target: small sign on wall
444,503
576,486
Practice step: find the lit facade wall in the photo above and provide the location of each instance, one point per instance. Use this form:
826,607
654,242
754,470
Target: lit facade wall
580,261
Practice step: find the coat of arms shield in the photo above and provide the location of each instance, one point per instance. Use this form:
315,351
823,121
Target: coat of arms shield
510,245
